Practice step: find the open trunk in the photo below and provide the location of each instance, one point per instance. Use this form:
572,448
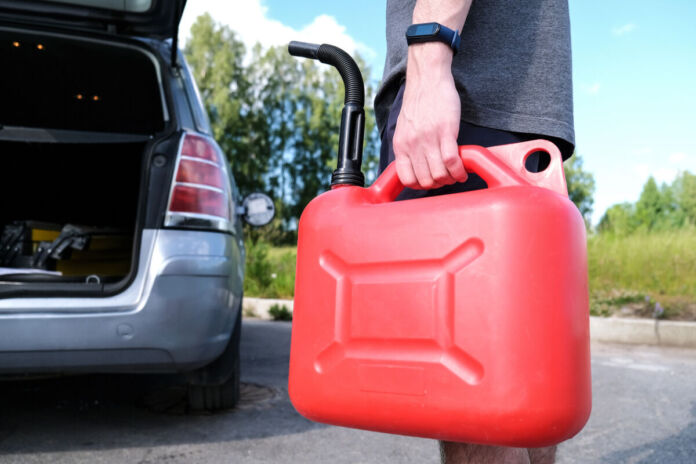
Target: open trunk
86,192
76,119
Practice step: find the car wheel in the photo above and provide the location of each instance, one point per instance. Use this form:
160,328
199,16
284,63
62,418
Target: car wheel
216,386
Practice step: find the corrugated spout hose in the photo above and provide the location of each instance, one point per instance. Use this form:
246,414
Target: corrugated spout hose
350,143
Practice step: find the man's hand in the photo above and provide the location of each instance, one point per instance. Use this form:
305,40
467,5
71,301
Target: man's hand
425,141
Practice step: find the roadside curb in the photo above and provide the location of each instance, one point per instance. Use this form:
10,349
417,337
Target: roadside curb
643,331
259,307
602,329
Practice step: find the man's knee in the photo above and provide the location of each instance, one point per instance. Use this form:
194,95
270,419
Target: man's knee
464,453
546,455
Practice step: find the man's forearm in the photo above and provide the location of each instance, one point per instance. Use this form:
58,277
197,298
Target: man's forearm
425,140
433,56
450,13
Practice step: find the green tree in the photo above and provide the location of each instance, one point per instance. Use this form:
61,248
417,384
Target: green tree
684,191
581,185
650,206
276,118
303,100
671,215
618,219
216,57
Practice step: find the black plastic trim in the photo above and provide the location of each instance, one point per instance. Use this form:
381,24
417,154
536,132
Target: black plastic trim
40,135
160,21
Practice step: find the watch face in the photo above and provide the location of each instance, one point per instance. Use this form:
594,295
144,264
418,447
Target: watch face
424,29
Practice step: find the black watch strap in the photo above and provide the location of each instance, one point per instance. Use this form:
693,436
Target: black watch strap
433,32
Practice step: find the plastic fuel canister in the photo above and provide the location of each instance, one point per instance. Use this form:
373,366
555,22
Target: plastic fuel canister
460,317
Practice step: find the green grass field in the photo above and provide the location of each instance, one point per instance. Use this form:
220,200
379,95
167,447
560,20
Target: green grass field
634,273
628,275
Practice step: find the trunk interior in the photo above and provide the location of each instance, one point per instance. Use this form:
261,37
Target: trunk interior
87,191
76,119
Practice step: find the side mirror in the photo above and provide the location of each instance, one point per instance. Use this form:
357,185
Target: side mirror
257,209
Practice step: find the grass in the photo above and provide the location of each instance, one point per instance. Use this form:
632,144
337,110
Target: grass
634,273
628,275
658,262
270,271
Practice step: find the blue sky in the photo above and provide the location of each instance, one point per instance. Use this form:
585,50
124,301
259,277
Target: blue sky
634,69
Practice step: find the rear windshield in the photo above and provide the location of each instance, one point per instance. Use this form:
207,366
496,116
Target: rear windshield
134,6
60,83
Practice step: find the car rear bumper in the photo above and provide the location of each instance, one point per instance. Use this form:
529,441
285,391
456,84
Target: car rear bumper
176,315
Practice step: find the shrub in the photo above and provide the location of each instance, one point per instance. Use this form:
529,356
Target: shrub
280,313
270,271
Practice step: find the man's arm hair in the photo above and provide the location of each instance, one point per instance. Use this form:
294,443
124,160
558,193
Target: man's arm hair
425,141
450,13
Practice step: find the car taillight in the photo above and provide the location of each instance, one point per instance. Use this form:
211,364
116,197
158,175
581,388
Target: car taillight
195,172
189,199
195,146
200,195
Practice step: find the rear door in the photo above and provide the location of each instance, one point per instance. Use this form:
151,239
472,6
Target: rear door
144,18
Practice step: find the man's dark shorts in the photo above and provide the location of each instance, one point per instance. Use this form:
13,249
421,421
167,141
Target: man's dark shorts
469,134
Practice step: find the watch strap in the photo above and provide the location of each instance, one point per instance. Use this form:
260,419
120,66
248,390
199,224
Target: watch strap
439,33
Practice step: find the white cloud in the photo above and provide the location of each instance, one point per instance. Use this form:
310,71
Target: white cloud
677,157
625,29
661,174
592,89
249,19
643,170
665,175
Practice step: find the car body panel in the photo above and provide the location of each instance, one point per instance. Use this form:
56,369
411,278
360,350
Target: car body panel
177,314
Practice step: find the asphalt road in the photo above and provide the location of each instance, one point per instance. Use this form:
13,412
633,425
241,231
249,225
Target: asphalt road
644,412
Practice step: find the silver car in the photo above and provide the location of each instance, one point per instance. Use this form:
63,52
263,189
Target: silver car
121,247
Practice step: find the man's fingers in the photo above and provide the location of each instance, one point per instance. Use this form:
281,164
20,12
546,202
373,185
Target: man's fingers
451,159
405,172
423,174
438,170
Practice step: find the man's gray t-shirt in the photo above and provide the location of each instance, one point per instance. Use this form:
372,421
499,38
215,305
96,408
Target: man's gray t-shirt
513,70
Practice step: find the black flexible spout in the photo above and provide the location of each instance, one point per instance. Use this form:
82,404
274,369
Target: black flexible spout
350,144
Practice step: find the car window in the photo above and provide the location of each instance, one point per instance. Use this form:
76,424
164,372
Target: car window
195,101
131,6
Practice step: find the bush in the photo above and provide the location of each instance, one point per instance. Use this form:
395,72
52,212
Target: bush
270,272
280,313
258,269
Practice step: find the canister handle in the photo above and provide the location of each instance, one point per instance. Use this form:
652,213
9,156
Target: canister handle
500,166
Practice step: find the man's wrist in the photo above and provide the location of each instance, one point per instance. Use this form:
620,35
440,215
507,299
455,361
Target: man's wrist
429,58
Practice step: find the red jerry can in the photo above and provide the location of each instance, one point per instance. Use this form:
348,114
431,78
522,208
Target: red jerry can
461,317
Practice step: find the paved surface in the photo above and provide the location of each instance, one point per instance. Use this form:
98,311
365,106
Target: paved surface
644,412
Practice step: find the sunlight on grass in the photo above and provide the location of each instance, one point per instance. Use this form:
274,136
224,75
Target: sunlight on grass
633,272
657,262
643,269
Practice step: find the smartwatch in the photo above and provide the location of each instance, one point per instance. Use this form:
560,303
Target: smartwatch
433,32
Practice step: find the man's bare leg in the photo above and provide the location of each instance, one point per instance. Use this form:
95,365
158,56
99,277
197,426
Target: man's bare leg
464,453
546,455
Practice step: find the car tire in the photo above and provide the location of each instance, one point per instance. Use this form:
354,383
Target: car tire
206,390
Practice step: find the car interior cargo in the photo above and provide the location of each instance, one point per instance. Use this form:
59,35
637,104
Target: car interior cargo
76,119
